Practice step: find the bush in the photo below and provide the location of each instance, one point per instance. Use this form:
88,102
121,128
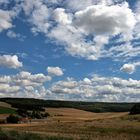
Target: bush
2,121
12,119
22,112
135,109
36,115
45,115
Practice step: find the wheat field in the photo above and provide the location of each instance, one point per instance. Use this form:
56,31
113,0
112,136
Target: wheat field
76,124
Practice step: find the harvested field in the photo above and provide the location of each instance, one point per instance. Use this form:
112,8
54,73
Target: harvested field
70,114
83,125
3,104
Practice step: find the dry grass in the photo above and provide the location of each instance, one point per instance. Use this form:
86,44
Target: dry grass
82,125
3,104
72,115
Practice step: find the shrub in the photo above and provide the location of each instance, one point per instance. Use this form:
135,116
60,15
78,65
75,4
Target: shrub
36,114
135,109
45,115
2,121
12,119
22,112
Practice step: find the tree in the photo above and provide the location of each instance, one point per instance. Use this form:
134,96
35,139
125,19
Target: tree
135,109
45,115
36,114
12,119
22,112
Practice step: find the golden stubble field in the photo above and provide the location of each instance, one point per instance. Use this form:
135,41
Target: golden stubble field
82,125
3,104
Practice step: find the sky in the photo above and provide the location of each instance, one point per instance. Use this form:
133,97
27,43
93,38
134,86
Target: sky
81,50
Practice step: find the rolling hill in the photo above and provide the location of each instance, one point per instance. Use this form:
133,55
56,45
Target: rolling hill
38,104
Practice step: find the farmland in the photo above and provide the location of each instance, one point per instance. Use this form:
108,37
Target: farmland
74,124
6,109
70,120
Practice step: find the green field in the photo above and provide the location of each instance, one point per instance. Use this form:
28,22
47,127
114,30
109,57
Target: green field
5,110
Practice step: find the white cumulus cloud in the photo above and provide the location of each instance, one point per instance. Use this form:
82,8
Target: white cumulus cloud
61,17
56,71
71,22
91,29
130,68
10,61
5,19
23,84
97,88
102,19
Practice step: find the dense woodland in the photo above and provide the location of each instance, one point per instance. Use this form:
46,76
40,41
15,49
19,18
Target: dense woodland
135,109
38,104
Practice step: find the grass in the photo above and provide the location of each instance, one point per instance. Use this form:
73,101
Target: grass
3,104
15,135
5,110
86,126
115,129
99,134
109,130
132,117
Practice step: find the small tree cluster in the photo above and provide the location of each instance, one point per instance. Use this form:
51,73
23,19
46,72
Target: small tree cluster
12,119
38,115
35,114
135,109
22,112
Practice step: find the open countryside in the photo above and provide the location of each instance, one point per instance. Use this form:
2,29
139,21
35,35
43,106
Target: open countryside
69,69
70,123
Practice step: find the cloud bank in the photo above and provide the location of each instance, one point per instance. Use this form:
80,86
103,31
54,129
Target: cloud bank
87,29
97,88
23,84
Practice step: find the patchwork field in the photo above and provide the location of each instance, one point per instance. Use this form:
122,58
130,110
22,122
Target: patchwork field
76,124
3,104
5,109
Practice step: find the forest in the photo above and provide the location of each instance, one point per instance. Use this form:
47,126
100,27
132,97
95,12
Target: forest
39,104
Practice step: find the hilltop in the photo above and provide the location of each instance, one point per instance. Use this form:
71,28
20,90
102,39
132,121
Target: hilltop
39,104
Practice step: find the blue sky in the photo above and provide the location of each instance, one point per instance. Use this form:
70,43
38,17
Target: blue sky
70,50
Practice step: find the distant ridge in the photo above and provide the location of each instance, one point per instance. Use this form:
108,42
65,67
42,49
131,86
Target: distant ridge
31,103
